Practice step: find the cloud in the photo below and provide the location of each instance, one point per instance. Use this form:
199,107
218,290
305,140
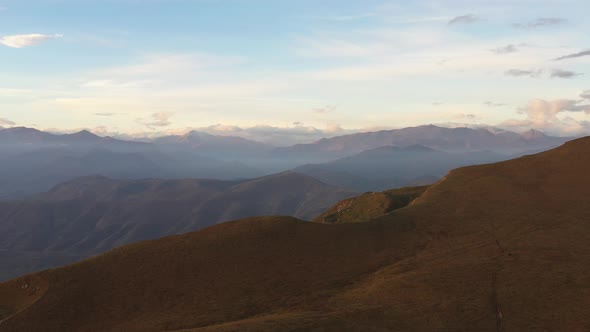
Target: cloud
559,73
493,104
505,49
540,22
6,122
325,110
105,114
159,119
465,116
585,94
545,115
20,41
523,72
574,55
464,19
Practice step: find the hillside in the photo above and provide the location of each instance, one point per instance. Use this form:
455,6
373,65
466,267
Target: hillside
94,214
499,247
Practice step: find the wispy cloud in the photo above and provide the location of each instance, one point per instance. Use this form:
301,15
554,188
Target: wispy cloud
505,49
560,73
493,104
465,116
464,19
585,94
325,110
540,22
524,73
105,114
21,41
573,56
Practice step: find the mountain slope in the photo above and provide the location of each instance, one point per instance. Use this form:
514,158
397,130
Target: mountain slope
500,247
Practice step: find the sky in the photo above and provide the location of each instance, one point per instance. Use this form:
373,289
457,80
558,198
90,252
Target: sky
306,67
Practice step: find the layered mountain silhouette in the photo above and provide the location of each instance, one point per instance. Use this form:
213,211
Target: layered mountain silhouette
22,137
30,172
212,144
435,137
34,161
497,247
392,166
94,214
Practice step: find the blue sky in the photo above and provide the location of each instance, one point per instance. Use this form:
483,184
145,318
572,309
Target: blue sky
322,67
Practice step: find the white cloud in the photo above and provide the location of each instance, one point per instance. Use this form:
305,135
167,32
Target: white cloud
20,41
159,119
554,116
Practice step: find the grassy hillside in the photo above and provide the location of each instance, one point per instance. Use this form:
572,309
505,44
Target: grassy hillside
500,247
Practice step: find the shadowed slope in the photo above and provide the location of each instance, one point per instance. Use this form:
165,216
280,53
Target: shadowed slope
230,272
501,247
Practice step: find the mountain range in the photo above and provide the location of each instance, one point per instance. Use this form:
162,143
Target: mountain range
435,137
34,161
393,167
495,247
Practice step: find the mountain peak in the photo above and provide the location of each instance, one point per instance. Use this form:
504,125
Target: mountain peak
533,134
84,134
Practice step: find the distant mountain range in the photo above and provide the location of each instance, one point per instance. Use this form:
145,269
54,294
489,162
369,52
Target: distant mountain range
213,145
33,161
496,247
93,214
440,138
21,137
393,167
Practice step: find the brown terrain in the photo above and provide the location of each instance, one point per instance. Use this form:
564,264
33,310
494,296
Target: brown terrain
499,247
